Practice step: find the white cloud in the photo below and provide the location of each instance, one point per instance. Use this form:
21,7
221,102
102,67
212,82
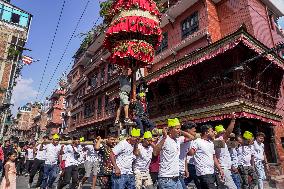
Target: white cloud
23,93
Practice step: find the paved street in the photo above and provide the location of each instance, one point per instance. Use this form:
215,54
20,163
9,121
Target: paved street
22,183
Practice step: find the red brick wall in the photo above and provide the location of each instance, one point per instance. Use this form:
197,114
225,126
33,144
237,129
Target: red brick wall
260,22
213,21
175,31
5,79
175,36
232,14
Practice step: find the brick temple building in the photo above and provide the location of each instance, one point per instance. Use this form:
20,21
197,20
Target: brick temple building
22,127
199,72
38,127
56,110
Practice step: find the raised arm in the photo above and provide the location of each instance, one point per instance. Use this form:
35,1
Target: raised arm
158,147
98,143
230,129
187,135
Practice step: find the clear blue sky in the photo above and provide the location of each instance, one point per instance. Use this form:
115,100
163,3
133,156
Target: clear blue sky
45,15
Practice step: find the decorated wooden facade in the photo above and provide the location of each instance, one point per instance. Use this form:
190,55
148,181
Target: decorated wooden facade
212,83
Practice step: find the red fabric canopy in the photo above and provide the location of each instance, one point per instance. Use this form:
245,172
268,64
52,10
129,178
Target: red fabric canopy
134,32
124,51
147,5
129,27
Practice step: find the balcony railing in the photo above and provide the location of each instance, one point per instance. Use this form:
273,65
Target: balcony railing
90,91
191,99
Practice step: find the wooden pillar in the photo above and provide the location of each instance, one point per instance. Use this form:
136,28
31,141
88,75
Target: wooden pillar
273,147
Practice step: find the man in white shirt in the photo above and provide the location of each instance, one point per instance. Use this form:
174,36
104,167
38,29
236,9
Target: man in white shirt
205,159
91,162
122,157
169,149
52,151
260,158
29,158
246,161
142,162
71,164
235,161
81,161
189,127
38,163
223,154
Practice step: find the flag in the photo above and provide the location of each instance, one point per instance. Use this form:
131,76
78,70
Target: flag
27,60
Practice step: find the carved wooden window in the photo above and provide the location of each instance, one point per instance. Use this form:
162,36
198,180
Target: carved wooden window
282,142
107,105
93,80
282,54
164,43
189,25
102,74
99,106
89,109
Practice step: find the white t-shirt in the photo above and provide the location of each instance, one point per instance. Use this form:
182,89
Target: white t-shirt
169,157
245,154
83,154
91,153
30,154
223,155
203,158
258,151
124,156
40,155
70,158
184,147
142,162
52,153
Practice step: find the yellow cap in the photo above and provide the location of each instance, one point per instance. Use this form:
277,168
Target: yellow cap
135,132
142,94
55,136
147,135
219,128
173,122
82,139
247,135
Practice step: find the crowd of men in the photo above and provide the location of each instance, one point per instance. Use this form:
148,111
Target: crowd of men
213,158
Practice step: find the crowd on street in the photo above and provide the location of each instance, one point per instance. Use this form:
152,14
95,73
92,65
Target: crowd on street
171,158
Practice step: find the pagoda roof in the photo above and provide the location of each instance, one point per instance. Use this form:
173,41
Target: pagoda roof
241,109
57,93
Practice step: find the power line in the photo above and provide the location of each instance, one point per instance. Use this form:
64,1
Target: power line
51,47
69,65
66,48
